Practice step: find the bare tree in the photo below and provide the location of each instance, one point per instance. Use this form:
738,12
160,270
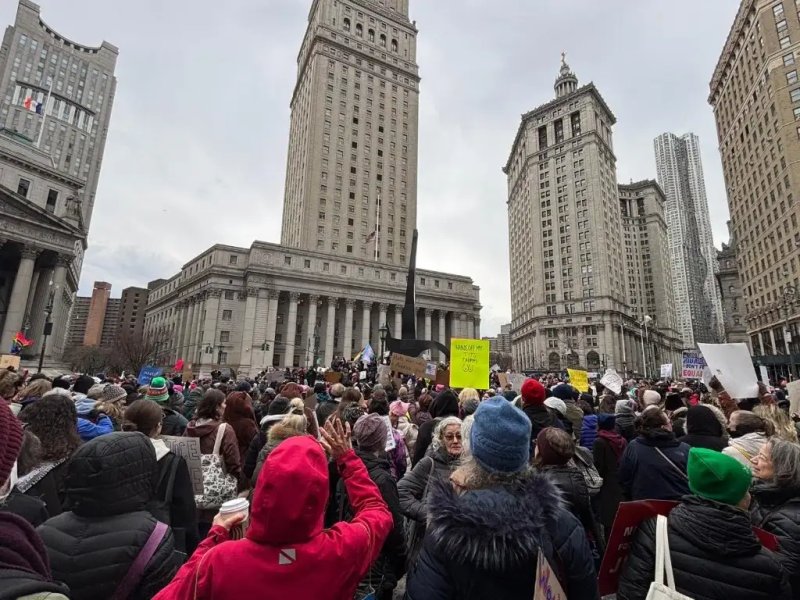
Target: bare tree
87,359
504,360
131,353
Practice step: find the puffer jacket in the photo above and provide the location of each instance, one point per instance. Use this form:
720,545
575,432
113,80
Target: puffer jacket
715,556
412,488
484,543
589,431
645,474
93,545
390,566
777,510
287,552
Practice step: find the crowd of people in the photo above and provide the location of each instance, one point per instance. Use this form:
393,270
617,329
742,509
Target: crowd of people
346,488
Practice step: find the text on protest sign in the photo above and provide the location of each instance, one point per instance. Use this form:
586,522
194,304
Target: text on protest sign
469,363
547,584
149,372
189,449
408,365
578,379
612,380
666,371
692,365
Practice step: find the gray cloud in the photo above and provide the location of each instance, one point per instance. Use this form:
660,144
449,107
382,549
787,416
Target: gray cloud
197,149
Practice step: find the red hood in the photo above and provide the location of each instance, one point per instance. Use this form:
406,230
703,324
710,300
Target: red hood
291,494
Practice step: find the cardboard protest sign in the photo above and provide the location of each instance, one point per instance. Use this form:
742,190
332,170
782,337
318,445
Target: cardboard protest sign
443,378
189,449
666,371
764,375
612,380
547,584
578,379
469,363
384,374
187,374
10,360
692,364
333,377
502,378
147,374
408,365
516,380
733,366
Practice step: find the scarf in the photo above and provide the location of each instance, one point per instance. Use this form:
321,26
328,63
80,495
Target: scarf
36,475
615,440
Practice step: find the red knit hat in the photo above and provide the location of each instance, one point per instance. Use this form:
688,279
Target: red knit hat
533,393
10,440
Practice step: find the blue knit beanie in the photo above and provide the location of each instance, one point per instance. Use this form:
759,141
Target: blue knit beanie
501,436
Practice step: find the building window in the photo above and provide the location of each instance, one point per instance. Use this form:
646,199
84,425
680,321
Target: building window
326,267
350,249
23,187
228,294
788,59
791,77
227,315
224,336
233,259
307,263
795,95
347,24
359,30
287,260
223,358
52,198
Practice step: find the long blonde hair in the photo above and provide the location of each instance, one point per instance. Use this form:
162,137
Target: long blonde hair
784,427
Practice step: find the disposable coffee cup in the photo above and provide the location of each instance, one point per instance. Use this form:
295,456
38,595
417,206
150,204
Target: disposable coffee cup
235,506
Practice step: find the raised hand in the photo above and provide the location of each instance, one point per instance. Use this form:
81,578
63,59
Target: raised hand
336,438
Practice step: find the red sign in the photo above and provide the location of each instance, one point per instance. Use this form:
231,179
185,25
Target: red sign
629,516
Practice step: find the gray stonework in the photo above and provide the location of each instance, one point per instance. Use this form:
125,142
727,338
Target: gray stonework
730,290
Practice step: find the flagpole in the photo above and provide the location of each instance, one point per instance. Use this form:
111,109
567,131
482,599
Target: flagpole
377,225
44,114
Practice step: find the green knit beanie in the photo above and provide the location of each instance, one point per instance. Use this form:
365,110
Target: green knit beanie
716,476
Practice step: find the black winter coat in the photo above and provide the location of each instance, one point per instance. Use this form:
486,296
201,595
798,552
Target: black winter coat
444,405
610,495
174,423
704,430
181,506
540,418
33,510
777,510
49,489
646,475
483,544
91,547
576,496
390,565
715,556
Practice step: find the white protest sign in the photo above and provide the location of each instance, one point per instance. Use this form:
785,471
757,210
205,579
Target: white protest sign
384,374
612,380
390,444
362,376
547,586
764,375
793,388
516,380
666,371
733,366
189,449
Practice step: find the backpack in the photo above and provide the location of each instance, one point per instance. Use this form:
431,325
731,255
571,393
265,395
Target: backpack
160,508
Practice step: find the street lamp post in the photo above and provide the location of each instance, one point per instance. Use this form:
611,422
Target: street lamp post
790,297
48,327
645,320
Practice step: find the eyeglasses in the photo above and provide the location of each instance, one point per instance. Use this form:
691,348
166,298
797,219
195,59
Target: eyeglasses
452,436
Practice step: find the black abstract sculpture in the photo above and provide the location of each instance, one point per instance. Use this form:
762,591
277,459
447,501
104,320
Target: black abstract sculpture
408,343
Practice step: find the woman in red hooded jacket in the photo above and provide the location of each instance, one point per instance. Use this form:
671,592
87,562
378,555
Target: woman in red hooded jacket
286,553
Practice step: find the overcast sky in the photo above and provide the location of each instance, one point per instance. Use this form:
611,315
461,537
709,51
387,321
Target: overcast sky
196,154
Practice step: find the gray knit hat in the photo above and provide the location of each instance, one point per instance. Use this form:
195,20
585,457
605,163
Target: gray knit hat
370,432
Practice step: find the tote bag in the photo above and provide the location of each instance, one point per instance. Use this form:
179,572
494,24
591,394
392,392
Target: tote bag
659,591
218,486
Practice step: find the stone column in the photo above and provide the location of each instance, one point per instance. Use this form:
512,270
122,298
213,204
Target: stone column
19,296
382,308
330,330
347,349
608,345
55,344
442,334
272,324
291,329
428,312
194,328
476,323
366,318
761,343
462,325
248,330
210,327
38,305
313,304
398,322
186,338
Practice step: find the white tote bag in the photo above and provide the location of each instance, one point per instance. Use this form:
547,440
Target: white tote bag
659,591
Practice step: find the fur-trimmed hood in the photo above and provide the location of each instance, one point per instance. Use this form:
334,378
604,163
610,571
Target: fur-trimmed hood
495,529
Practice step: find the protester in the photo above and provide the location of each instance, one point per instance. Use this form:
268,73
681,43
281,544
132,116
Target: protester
533,399
30,393
422,414
370,434
569,395
776,501
399,417
239,414
704,428
93,545
10,383
486,527
414,487
468,400
53,420
607,453
398,455
625,421
554,450
714,552
174,422
286,552
782,424
444,405
112,404
749,433
24,566
653,466
173,499
588,426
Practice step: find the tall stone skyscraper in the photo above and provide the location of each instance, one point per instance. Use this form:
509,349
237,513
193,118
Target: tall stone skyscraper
755,94
351,179
694,264
569,303
75,86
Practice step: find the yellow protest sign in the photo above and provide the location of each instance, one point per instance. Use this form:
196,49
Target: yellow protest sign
579,380
469,363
